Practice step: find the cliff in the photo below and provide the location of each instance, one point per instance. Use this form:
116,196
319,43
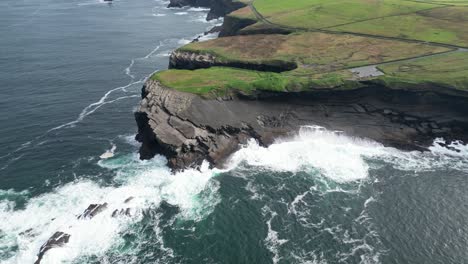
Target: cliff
193,61
188,129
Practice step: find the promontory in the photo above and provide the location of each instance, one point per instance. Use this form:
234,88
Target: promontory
394,71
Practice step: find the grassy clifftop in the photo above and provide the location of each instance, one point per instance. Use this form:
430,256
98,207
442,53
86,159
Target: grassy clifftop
335,44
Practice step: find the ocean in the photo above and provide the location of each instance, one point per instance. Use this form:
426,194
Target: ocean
71,74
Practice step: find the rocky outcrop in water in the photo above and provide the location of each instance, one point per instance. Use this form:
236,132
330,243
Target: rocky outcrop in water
188,129
58,239
92,211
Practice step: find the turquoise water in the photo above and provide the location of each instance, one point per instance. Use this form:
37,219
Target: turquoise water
71,75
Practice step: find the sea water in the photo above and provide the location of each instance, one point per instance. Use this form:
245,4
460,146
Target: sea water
71,73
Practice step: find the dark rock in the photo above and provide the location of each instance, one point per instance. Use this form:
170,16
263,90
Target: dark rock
215,29
27,232
220,8
58,239
192,61
441,130
194,3
410,119
92,211
121,212
232,25
359,108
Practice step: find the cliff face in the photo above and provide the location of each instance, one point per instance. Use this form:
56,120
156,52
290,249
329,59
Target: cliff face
188,129
192,61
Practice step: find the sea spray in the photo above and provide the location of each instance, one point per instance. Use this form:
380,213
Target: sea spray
343,158
339,157
148,183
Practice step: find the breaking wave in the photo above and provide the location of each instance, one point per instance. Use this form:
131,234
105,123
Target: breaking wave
320,189
332,162
343,158
145,183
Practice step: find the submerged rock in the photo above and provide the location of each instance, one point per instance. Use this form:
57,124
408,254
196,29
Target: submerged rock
129,199
122,212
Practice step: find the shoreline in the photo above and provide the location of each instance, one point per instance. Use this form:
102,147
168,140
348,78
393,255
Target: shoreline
189,129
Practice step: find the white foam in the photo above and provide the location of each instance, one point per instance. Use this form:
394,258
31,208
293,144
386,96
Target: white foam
454,149
180,13
298,199
184,41
130,139
198,9
94,2
336,156
440,156
343,158
149,182
164,53
128,70
109,153
272,240
153,51
96,105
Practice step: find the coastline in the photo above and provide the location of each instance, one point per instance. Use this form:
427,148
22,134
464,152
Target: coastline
188,129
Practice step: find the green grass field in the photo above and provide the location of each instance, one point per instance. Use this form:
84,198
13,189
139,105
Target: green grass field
314,51
314,14
219,81
328,39
447,25
447,2
449,70
432,21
